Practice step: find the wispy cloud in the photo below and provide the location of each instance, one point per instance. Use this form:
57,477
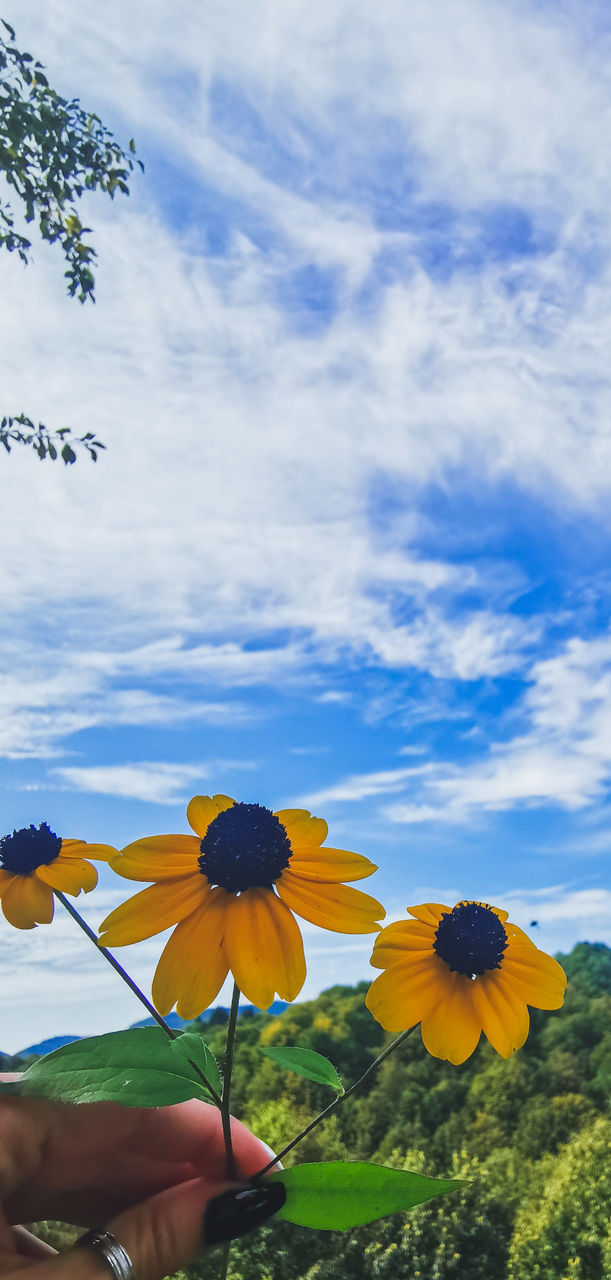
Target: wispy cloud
151,781
560,756
351,323
364,785
588,911
39,712
441,371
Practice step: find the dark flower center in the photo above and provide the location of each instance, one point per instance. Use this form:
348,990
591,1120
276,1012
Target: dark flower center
245,847
471,939
29,848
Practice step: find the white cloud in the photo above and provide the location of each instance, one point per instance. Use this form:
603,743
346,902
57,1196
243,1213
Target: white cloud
494,95
360,786
338,696
587,910
224,663
234,502
38,712
561,756
410,813
564,757
231,537
153,781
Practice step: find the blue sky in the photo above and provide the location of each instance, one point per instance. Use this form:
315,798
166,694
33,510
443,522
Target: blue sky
349,545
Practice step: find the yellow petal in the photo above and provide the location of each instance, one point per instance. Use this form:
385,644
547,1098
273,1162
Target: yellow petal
429,912
80,849
264,947
534,975
405,994
473,902
503,1015
70,875
502,915
6,878
158,858
27,901
330,866
153,910
193,966
398,938
332,906
302,828
513,931
202,810
452,1029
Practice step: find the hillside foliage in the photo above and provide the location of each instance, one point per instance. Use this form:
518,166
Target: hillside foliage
531,1134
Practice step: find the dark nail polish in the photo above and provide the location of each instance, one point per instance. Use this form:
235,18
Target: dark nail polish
234,1213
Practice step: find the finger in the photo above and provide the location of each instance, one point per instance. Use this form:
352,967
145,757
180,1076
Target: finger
28,1246
160,1236
85,1163
167,1232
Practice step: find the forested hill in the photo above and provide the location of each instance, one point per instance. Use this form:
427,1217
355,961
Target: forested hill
530,1133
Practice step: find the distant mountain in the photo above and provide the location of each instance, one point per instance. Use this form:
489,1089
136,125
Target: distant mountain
218,1015
46,1046
172,1020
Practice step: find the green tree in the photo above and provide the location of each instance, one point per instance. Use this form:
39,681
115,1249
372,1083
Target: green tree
564,1233
527,1134
51,152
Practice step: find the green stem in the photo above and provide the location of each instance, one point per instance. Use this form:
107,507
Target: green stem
226,1094
224,1263
72,911
336,1102
226,1112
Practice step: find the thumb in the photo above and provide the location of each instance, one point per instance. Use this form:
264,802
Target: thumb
168,1231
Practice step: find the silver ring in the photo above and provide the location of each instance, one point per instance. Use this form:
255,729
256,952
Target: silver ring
107,1247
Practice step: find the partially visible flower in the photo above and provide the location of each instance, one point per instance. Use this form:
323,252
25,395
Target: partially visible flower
231,889
34,862
460,971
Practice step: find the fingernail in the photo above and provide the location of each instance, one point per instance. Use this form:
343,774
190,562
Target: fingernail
272,1155
234,1213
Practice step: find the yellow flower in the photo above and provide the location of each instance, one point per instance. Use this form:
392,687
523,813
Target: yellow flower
459,972
34,862
231,889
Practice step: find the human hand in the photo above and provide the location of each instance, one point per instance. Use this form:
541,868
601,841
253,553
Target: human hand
145,1175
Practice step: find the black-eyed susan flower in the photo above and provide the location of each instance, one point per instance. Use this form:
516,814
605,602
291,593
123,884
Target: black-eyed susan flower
34,862
231,889
460,971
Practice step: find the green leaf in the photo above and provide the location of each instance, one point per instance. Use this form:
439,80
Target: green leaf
340,1195
137,1068
192,1046
307,1063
